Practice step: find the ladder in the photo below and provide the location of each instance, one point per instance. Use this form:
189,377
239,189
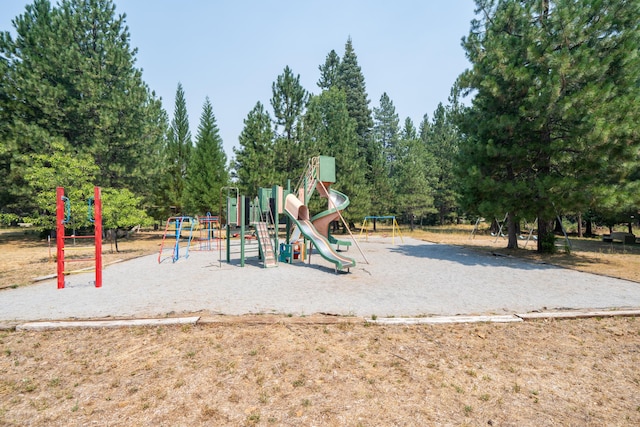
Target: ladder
266,246
308,180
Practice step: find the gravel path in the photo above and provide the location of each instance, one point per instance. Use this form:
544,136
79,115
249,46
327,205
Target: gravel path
410,278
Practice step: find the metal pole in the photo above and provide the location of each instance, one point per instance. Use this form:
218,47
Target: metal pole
97,206
241,217
60,235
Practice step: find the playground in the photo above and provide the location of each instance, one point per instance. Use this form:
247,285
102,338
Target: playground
299,367
414,278
314,340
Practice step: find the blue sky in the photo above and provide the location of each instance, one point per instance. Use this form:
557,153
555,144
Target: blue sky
232,51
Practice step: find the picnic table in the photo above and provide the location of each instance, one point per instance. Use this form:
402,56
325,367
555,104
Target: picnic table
619,236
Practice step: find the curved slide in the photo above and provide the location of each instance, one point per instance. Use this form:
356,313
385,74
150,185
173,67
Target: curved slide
337,202
299,214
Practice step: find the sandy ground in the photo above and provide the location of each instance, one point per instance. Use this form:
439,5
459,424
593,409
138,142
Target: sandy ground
402,278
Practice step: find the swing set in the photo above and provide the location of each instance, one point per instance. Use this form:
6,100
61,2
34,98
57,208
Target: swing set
372,221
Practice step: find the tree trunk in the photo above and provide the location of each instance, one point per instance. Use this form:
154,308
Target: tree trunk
512,227
558,226
580,233
630,227
589,231
546,236
495,227
115,239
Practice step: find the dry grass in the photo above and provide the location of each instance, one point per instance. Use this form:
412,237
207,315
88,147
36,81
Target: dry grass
571,372
318,370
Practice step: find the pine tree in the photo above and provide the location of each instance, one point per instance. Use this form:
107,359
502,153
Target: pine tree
441,142
552,127
386,129
69,73
330,131
329,71
207,169
289,101
255,161
384,145
178,150
412,177
351,80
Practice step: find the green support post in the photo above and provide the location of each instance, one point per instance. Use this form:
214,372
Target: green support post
241,217
288,223
276,218
228,244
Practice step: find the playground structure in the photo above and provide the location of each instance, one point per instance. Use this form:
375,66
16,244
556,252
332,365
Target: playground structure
209,232
372,220
247,221
319,175
63,216
176,226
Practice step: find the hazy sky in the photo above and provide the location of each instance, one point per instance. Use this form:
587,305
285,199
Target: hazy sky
232,51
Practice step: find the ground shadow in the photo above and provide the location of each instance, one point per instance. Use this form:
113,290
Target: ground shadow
468,257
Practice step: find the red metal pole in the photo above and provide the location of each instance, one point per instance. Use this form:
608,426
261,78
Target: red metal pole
60,235
97,206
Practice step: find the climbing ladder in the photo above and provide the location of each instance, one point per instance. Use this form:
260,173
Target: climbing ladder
63,216
308,180
266,245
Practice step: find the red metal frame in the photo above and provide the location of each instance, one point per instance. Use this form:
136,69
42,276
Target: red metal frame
97,236
60,235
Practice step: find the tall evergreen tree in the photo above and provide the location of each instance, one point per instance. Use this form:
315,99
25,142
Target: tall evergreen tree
386,129
351,80
413,175
553,124
289,101
330,131
207,170
69,73
384,146
441,141
255,160
178,150
151,172
329,71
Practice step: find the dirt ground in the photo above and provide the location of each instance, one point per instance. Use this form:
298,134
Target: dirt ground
321,370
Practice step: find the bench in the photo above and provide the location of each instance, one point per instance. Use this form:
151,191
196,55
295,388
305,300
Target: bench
619,236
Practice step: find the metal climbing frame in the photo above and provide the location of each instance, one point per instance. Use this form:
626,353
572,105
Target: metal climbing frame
179,225
63,216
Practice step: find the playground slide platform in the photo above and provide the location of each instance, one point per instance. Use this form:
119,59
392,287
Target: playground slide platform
299,214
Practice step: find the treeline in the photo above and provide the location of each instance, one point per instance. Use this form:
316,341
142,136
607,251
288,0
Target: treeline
544,124
76,113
